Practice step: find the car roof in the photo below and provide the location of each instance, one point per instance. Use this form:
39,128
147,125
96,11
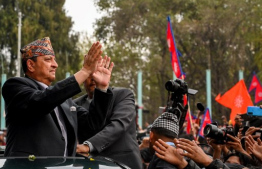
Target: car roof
33,162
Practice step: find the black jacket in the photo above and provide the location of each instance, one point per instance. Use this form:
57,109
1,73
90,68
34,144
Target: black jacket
32,128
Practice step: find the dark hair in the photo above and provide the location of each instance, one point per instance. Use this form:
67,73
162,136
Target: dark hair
164,132
243,158
24,65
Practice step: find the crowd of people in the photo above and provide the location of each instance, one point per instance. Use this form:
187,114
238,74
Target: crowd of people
239,147
43,120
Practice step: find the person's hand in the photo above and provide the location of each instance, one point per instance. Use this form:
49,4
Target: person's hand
212,143
103,73
216,147
193,151
145,143
82,149
235,144
255,147
250,131
239,133
92,58
169,154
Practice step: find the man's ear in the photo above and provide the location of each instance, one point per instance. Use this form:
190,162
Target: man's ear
30,65
151,136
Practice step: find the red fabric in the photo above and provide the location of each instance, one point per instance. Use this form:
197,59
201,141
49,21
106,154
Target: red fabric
237,99
254,83
206,120
258,94
173,51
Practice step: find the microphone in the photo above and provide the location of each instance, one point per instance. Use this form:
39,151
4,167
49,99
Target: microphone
200,107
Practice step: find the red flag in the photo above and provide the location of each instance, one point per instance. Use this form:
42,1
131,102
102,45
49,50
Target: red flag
206,120
173,50
237,99
254,83
188,127
258,94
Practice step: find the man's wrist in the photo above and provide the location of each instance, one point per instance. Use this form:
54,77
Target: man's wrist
103,89
183,164
89,144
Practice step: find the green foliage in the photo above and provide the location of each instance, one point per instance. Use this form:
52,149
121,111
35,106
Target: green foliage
40,18
219,35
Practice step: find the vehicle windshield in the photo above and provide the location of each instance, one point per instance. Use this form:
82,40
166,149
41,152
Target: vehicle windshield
58,162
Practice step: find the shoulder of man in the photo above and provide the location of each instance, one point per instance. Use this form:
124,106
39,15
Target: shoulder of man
79,99
22,80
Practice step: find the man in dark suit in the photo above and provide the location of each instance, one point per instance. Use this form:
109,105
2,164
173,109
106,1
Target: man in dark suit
42,119
117,138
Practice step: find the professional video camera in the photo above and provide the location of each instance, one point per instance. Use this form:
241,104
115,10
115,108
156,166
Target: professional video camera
176,91
219,135
253,117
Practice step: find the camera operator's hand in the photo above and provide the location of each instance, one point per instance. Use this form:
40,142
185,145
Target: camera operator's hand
255,147
170,154
144,144
239,134
193,151
216,147
251,130
236,145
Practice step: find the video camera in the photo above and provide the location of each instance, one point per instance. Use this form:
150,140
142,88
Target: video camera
254,111
176,90
219,135
253,117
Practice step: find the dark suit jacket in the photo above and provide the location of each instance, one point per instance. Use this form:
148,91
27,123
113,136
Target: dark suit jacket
117,139
157,163
32,128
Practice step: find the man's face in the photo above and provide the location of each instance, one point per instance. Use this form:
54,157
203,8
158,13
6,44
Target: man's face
90,85
43,69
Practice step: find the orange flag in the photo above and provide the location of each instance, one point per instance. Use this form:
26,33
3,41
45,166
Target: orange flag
237,99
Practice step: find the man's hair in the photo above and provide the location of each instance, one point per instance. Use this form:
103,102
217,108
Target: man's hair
243,158
24,65
164,132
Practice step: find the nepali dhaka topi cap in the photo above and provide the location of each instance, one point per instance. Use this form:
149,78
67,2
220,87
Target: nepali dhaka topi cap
36,48
167,121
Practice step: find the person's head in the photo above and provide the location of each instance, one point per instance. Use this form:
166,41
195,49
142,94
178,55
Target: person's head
238,158
38,60
165,127
90,86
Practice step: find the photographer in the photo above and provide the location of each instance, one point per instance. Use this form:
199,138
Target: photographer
191,150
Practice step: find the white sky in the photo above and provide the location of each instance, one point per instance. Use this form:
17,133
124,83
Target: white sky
83,13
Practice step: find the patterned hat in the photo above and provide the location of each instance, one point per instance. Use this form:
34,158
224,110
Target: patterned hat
167,121
36,48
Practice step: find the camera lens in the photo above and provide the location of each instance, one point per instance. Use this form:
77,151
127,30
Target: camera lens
207,130
172,86
213,132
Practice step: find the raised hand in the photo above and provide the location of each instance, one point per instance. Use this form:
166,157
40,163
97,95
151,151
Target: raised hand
103,72
92,58
236,145
169,154
193,151
255,147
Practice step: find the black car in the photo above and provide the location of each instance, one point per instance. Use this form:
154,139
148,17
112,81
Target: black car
32,162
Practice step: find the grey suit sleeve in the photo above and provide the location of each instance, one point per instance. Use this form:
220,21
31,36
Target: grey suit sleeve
91,121
122,114
23,94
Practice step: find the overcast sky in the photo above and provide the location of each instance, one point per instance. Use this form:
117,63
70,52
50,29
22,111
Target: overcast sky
83,13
